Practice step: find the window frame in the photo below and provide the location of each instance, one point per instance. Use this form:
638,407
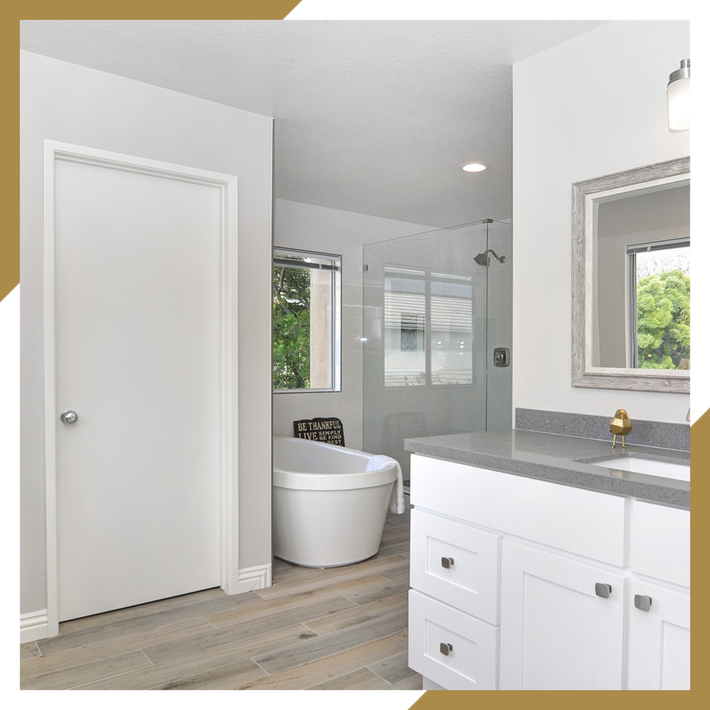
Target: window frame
336,353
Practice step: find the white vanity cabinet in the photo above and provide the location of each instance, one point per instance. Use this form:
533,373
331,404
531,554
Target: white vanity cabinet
658,613
519,583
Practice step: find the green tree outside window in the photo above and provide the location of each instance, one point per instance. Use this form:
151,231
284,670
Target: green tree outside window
306,321
663,320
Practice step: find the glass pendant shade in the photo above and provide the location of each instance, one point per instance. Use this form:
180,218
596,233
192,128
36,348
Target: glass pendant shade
679,98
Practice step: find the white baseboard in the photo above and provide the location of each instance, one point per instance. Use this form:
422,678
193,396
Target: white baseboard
34,626
251,578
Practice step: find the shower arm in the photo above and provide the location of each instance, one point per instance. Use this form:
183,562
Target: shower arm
484,260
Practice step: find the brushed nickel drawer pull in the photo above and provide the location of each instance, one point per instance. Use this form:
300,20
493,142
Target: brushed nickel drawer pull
447,562
602,590
642,602
445,648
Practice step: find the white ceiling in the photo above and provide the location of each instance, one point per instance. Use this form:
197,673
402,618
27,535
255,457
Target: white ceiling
373,117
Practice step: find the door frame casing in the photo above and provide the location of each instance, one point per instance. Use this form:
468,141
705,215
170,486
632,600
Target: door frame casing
228,342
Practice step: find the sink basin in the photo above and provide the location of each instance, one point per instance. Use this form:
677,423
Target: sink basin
650,467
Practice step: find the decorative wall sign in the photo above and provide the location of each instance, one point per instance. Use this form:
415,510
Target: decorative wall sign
329,430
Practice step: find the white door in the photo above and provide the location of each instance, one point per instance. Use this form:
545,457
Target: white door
137,358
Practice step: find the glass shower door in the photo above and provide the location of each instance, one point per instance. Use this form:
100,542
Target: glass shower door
426,321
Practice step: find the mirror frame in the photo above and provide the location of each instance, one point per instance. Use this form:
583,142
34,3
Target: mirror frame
583,195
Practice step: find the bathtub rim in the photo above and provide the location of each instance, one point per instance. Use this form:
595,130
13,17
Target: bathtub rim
332,480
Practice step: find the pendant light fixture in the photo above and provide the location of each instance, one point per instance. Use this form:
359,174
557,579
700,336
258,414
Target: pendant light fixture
679,97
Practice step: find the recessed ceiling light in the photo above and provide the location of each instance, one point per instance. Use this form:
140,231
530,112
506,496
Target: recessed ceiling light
474,167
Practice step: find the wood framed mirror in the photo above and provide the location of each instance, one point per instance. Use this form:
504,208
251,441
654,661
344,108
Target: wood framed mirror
630,279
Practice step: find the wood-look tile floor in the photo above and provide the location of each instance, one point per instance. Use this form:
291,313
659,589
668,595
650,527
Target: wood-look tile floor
340,628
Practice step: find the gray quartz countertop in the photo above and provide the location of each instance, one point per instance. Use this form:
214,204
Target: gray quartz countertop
561,459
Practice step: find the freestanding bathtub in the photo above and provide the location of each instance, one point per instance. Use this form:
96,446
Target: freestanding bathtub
327,510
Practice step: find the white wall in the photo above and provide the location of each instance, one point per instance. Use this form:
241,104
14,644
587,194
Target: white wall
591,106
66,102
302,226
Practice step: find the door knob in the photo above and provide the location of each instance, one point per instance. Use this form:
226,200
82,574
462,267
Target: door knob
447,562
69,416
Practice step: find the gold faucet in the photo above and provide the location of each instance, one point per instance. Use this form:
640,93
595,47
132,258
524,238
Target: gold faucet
620,424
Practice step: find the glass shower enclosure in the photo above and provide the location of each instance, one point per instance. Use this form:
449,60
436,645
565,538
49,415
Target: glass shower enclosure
437,335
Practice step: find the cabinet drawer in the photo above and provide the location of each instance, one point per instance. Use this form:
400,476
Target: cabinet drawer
456,563
583,522
451,648
660,542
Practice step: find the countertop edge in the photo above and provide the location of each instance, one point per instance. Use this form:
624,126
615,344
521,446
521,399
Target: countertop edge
661,494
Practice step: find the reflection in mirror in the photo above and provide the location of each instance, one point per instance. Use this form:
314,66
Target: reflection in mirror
631,279
642,279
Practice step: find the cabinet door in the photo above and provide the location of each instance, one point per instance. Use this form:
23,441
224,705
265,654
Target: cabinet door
659,638
557,633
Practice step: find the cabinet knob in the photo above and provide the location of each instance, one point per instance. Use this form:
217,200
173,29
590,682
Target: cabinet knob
445,648
447,562
642,602
602,590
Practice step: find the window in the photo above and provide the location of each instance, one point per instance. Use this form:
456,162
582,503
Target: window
659,290
306,321
428,328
